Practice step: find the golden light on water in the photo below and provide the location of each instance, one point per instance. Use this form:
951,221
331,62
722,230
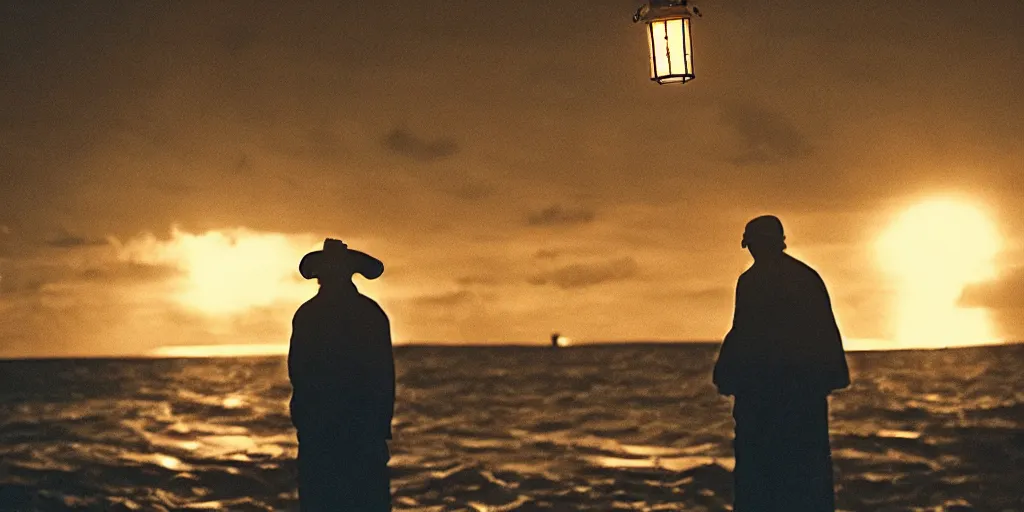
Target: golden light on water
233,402
933,250
168,462
221,350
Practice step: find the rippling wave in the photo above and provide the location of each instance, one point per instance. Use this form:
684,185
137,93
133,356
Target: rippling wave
499,429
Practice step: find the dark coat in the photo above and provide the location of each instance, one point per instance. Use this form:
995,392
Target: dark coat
784,338
341,367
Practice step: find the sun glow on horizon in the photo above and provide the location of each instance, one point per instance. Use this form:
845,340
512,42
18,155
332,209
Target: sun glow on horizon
934,250
229,271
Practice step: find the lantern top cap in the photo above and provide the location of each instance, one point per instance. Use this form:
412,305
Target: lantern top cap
662,9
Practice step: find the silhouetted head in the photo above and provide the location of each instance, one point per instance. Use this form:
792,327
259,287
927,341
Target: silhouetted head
764,237
336,264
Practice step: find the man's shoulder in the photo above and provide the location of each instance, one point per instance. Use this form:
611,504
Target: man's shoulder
803,270
371,305
747,274
308,308
799,266
357,305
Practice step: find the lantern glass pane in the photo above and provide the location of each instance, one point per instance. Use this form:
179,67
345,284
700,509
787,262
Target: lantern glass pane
688,46
676,49
650,46
659,53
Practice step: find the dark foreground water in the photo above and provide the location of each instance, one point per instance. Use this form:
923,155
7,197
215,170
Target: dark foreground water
500,429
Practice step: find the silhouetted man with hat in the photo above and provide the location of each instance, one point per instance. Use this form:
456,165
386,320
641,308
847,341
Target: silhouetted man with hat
781,359
343,379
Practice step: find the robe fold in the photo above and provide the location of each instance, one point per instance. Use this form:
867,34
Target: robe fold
781,359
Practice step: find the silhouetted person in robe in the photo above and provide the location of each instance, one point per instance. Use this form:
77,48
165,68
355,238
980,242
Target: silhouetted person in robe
781,359
343,379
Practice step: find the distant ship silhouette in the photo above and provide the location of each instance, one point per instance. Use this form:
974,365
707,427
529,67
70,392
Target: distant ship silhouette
559,341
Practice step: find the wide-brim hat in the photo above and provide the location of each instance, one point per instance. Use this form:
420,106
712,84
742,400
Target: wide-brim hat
337,252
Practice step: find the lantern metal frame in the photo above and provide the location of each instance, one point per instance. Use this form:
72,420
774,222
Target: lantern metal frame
664,10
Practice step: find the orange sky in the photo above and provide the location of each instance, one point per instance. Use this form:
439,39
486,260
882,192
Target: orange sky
517,177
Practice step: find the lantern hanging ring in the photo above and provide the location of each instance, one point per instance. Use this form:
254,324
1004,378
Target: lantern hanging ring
682,6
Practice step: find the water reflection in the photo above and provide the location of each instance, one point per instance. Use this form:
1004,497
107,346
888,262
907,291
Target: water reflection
233,402
562,429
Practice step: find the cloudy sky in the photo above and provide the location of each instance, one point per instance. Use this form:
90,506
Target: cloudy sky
163,165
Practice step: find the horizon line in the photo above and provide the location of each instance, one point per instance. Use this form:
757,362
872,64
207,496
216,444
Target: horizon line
256,350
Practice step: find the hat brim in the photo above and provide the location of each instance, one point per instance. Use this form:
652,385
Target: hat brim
357,261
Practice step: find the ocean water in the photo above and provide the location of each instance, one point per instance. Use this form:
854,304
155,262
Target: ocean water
501,429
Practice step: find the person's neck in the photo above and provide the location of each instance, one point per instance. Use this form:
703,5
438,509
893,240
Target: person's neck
770,260
341,288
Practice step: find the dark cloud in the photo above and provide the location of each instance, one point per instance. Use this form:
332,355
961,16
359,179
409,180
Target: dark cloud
717,294
1004,298
128,272
547,254
27,278
20,284
68,241
448,299
582,275
477,279
558,215
1002,294
766,138
34,277
406,143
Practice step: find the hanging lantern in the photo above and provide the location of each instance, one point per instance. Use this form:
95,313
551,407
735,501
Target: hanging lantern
668,36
